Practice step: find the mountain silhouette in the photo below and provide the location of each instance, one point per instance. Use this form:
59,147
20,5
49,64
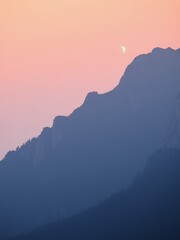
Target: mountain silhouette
148,209
95,152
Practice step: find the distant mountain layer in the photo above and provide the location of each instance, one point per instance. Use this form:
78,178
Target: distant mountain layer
97,150
149,209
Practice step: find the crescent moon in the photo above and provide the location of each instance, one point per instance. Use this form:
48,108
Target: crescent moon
123,49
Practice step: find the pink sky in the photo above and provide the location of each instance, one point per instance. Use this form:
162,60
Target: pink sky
53,52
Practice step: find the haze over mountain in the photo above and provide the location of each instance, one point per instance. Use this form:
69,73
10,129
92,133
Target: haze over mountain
94,152
148,209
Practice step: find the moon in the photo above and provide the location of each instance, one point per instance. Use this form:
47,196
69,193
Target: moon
123,49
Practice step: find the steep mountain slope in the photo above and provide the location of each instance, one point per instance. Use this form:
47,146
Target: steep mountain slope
94,152
173,136
149,209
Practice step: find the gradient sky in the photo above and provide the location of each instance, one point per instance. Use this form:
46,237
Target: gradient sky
53,52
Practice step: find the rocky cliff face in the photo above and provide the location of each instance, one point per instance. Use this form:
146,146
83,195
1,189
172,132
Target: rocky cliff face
39,149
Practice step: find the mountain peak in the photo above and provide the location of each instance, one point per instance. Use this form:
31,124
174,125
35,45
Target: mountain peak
91,96
58,120
161,50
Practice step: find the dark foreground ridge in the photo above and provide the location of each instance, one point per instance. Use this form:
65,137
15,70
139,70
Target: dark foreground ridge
149,209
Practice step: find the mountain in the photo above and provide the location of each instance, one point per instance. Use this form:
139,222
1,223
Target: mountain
173,136
148,209
95,152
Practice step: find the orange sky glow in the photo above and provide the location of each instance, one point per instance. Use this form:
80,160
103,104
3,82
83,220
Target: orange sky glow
53,52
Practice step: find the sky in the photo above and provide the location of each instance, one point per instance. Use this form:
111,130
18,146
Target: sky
53,52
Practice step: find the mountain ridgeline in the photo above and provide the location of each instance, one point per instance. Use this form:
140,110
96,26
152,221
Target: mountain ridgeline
97,150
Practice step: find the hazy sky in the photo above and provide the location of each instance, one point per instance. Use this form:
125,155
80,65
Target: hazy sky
52,52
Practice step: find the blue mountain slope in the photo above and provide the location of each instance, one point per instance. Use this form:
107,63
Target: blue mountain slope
94,152
148,209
